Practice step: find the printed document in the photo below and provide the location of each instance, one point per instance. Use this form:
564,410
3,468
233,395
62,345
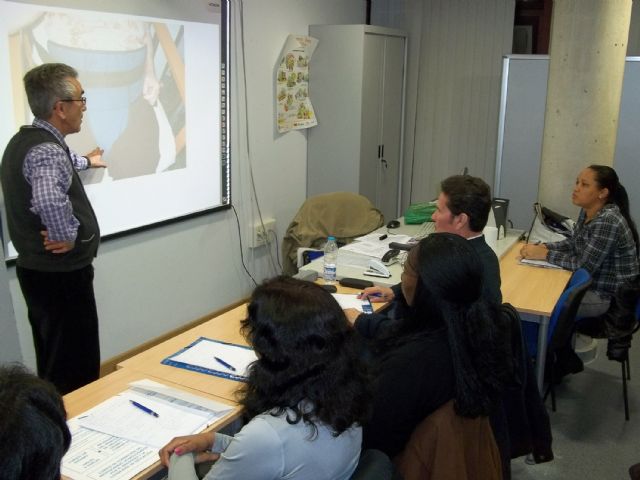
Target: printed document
116,440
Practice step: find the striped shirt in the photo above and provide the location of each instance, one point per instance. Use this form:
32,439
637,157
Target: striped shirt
48,170
604,247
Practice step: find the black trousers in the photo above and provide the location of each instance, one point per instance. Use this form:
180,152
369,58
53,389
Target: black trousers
64,324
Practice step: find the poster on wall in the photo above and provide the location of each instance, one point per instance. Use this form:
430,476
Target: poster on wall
294,109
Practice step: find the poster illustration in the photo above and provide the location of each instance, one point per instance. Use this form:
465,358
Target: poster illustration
294,109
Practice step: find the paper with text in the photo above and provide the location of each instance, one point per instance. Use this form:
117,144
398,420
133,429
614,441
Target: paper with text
115,440
117,416
100,456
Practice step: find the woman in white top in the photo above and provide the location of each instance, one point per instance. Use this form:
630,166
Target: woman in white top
306,395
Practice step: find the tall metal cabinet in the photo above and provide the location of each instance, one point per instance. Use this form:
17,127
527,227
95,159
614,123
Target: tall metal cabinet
356,86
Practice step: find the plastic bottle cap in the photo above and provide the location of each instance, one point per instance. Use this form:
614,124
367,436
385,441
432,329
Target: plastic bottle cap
331,237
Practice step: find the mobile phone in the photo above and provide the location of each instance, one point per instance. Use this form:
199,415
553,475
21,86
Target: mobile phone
367,308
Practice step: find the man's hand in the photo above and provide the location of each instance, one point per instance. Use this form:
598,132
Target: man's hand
95,158
377,294
55,246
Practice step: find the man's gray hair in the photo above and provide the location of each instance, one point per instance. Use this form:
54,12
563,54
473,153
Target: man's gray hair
46,84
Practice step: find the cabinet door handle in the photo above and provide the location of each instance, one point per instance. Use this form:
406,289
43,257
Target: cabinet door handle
384,162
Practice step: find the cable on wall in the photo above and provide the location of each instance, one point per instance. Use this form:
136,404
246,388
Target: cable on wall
248,148
241,250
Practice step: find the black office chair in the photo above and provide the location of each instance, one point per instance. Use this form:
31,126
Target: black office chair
375,465
618,325
561,329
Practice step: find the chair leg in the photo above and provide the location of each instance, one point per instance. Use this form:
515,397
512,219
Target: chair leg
551,389
624,389
628,368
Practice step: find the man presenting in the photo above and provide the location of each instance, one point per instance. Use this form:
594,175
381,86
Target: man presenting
54,229
462,208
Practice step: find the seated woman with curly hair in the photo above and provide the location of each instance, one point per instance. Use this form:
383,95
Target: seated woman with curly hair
306,395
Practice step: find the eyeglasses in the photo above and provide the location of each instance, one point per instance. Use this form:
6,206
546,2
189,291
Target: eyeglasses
81,99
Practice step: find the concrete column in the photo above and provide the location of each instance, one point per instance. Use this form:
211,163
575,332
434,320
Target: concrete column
586,69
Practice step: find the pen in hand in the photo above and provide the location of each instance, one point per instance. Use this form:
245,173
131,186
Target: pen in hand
225,364
376,294
143,408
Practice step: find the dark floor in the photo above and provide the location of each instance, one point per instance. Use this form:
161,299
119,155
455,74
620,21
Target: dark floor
591,439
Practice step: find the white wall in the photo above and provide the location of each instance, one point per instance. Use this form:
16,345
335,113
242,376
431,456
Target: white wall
151,282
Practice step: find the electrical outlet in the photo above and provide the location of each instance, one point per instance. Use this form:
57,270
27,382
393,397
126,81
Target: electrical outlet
261,232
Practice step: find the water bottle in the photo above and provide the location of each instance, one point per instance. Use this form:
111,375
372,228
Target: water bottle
330,261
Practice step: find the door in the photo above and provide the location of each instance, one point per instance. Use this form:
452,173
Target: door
391,126
370,137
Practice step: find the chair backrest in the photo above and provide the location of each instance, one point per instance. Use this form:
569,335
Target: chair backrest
374,465
446,446
563,316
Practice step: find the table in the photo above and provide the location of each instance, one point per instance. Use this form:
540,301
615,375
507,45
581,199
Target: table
349,271
96,392
533,290
225,327
529,289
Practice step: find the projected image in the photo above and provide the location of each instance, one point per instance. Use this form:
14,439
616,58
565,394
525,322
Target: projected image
155,96
134,114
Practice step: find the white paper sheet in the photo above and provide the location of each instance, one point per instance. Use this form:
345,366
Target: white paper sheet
372,246
115,440
100,456
538,263
346,300
117,416
203,354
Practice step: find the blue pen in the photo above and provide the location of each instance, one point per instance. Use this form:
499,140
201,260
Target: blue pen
143,408
225,364
376,294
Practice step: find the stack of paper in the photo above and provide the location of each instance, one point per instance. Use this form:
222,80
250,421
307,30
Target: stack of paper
116,439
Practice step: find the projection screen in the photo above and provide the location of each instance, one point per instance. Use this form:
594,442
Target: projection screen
154,74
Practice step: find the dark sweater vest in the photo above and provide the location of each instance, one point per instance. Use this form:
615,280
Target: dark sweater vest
25,226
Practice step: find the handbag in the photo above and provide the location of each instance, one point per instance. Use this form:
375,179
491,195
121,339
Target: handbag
549,226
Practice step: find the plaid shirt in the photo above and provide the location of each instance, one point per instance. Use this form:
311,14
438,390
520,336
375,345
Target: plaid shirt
48,170
604,247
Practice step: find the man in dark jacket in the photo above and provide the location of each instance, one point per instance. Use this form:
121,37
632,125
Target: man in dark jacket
54,229
463,208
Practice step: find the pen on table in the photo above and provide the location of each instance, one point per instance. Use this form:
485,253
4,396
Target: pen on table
225,364
382,237
143,408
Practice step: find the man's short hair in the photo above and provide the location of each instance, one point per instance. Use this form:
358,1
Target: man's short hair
470,195
34,435
46,84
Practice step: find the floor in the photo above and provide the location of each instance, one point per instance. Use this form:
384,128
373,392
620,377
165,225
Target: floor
591,439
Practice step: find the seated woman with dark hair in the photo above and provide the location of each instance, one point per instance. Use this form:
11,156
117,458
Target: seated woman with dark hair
451,344
306,395
604,240
33,426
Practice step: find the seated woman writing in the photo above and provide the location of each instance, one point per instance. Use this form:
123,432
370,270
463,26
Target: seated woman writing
306,395
451,344
604,241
